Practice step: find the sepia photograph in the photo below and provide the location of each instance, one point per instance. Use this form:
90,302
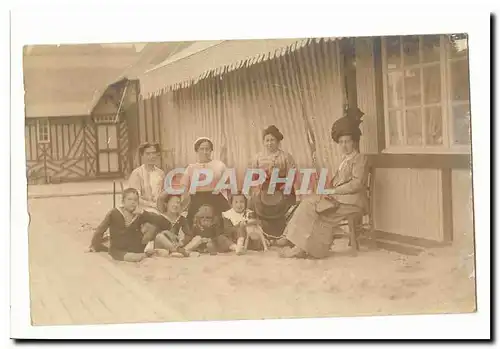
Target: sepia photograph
116,136
279,178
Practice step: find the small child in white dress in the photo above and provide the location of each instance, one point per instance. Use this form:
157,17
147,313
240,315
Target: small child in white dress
241,226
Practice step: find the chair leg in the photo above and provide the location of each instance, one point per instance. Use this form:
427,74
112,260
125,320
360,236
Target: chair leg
352,234
247,239
372,226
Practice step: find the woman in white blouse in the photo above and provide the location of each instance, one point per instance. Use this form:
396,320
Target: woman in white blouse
204,195
148,178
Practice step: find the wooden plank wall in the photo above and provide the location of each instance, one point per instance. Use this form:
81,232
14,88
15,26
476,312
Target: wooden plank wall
61,159
462,195
409,201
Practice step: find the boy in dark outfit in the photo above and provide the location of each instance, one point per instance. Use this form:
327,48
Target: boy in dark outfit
127,240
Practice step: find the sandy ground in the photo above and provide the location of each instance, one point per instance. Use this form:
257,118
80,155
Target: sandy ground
261,285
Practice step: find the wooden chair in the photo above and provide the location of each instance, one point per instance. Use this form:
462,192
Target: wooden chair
360,222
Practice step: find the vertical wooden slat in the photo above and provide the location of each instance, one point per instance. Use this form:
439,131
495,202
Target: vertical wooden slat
142,121
27,142
366,94
53,141
63,139
33,139
60,144
72,132
137,133
158,118
187,151
147,119
151,119
159,127
152,113
85,155
379,94
447,202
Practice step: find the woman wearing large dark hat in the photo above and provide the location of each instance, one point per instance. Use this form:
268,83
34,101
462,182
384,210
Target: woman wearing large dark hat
312,227
271,208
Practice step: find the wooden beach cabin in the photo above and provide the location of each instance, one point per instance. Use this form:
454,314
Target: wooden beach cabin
76,122
413,89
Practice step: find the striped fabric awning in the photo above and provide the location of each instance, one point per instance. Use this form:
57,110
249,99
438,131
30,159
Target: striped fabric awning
213,58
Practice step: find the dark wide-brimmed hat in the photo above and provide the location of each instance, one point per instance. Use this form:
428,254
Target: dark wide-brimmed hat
270,206
273,130
348,125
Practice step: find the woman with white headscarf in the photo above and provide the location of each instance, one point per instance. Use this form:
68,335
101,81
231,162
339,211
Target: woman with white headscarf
204,195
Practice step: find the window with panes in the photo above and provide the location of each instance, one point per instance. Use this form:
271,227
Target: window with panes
43,130
426,92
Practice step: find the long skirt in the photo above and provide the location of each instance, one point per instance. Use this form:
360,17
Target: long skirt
217,201
313,232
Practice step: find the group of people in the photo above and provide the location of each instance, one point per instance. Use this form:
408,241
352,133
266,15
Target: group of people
151,221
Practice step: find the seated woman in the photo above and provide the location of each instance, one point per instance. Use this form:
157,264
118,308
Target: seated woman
271,208
148,178
311,228
130,230
204,194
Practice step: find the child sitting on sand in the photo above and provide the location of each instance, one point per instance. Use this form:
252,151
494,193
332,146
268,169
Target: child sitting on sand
243,225
206,235
130,230
170,223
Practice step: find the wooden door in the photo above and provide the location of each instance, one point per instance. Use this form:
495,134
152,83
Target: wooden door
108,150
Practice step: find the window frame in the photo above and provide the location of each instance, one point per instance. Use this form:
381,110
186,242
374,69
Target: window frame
446,103
42,122
451,103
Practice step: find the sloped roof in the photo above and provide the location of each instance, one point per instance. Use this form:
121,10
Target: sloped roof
64,92
64,80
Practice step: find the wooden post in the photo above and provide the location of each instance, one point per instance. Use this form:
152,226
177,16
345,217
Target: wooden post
114,194
447,202
379,93
349,60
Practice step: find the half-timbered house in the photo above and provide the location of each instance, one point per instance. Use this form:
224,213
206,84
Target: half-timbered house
76,125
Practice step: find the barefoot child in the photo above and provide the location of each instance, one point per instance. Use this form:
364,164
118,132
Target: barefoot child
241,222
207,235
127,240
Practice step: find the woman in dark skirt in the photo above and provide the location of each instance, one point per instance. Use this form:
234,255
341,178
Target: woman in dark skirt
312,228
204,195
272,208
